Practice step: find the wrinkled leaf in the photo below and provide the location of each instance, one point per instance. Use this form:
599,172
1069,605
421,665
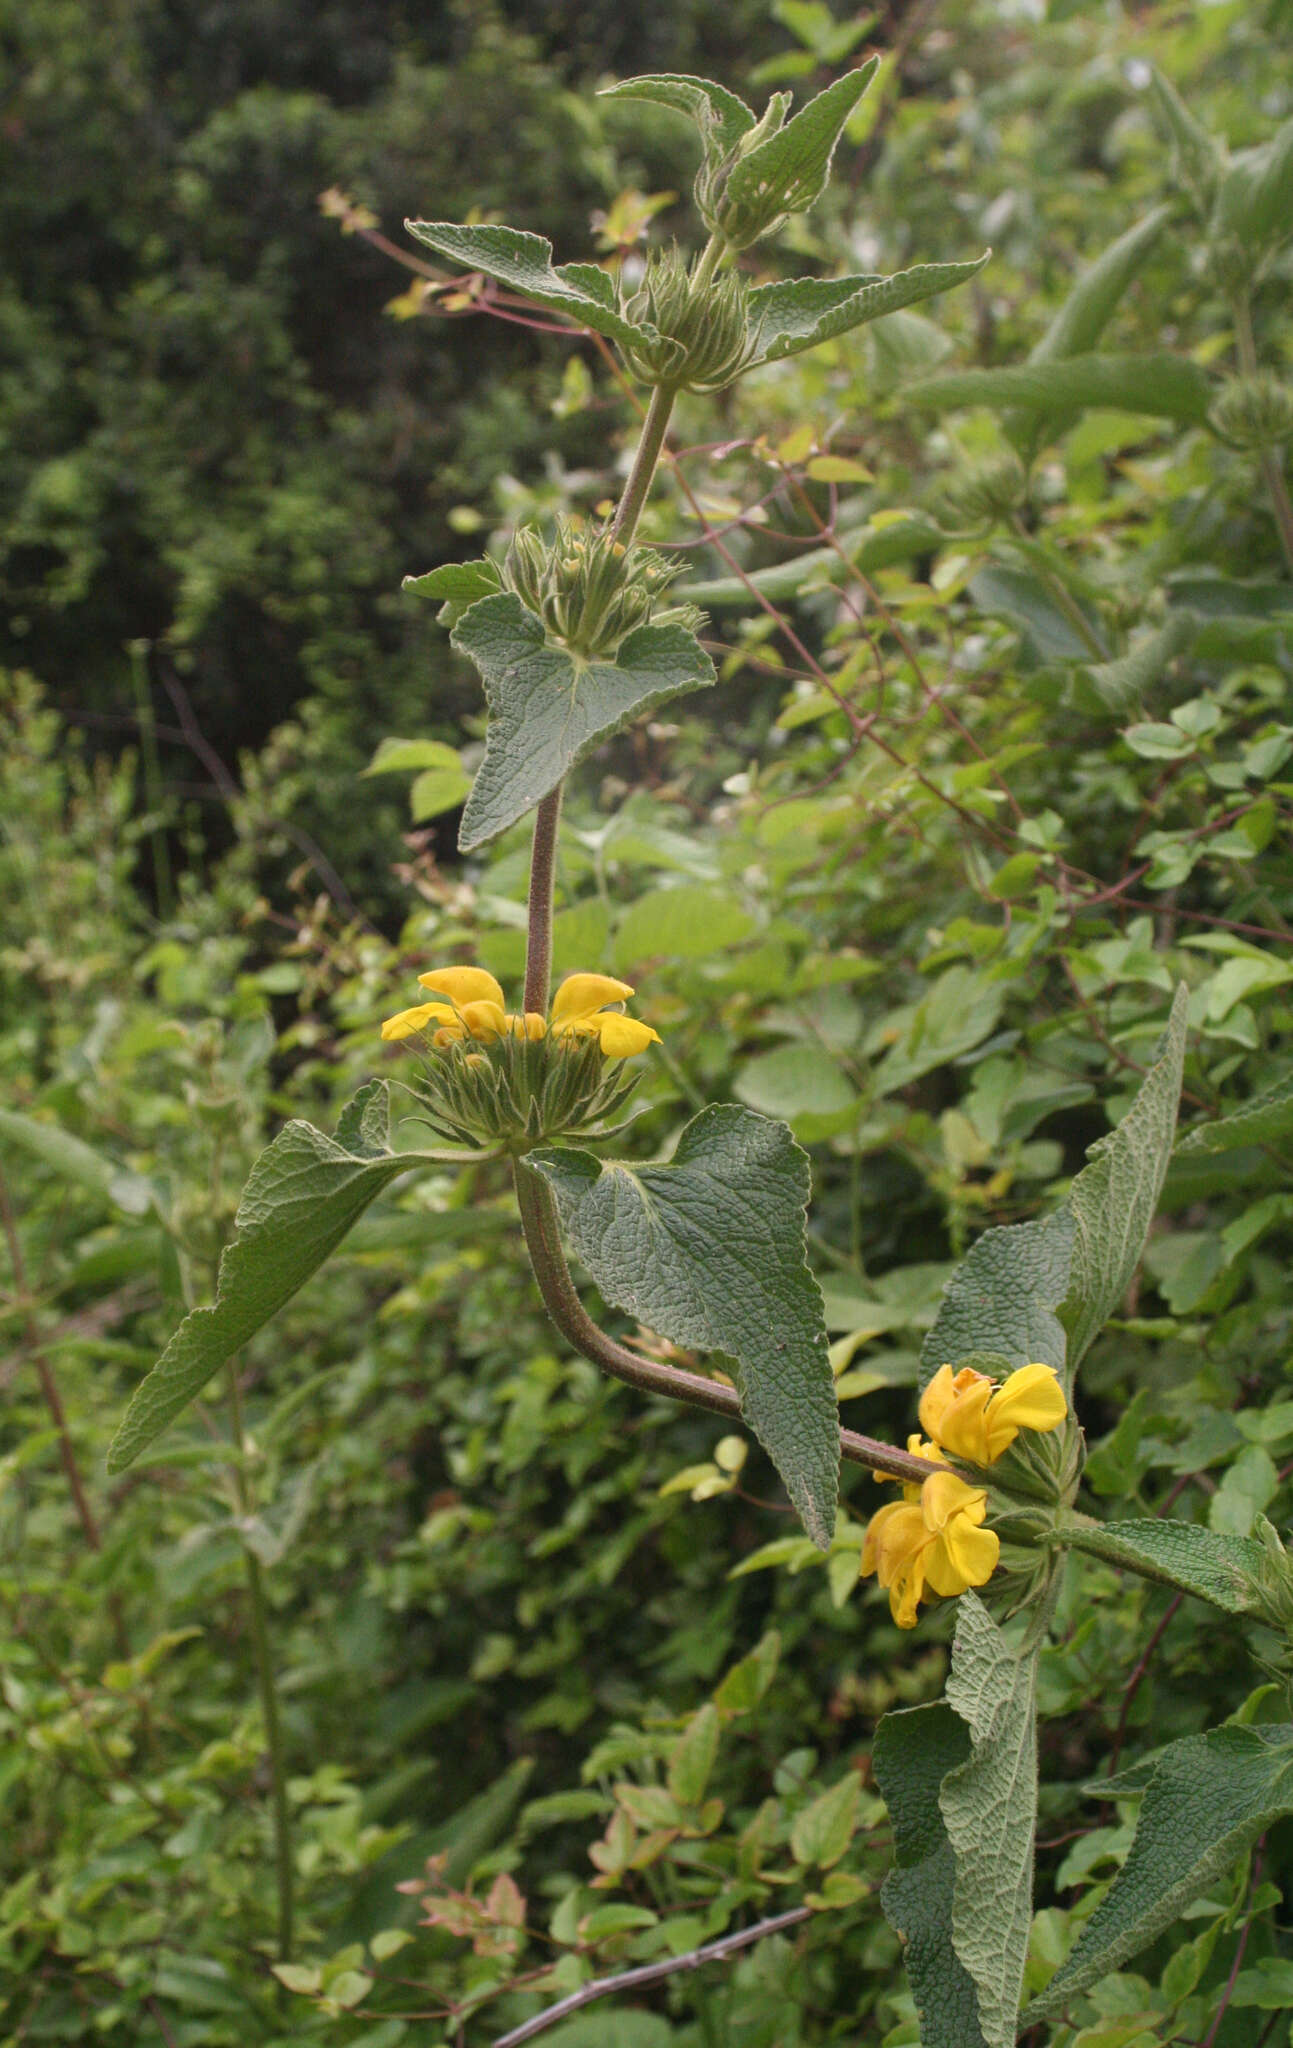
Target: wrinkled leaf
547,709
523,263
710,1251
1209,1799
1122,683
1209,1563
790,169
989,1807
1267,1118
302,1196
1003,1298
804,311
721,117
915,1750
1114,1197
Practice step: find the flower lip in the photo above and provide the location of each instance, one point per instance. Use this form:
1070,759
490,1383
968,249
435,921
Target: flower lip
970,1416
463,985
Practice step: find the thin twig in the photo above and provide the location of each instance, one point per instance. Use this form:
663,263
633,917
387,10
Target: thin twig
652,1973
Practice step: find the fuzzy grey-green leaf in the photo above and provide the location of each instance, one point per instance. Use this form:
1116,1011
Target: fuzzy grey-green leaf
523,262
1209,1799
915,1750
1267,1117
721,117
790,168
1114,1197
989,1807
1003,1297
304,1192
1213,1565
710,1251
803,311
547,709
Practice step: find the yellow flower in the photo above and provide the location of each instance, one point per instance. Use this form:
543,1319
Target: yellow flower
578,1011
931,1541
475,1010
968,1415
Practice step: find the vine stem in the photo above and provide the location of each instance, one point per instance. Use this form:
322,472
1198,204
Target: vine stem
543,1242
266,1685
1272,466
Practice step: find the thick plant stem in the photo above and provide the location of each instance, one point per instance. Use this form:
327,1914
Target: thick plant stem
543,863
543,1241
267,1687
1272,466
624,525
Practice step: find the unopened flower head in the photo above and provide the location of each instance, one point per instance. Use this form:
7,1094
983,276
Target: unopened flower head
517,1078
588,589
704,343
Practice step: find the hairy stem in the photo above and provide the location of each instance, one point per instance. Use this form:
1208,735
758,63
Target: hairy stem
624,525
543,1241
266,1686
543,864
1272,465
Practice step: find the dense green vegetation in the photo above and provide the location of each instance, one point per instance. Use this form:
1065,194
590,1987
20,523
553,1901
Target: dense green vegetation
999,754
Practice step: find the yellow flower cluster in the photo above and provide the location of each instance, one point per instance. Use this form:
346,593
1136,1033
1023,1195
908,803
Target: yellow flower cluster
474,1009
933,1539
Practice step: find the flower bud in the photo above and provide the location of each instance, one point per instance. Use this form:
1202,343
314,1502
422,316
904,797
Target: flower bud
741,223
704,343
589,590
1255,413
986,493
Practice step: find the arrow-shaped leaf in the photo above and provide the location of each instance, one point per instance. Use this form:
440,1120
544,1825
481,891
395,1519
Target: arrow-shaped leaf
548,709
304,1192
710,1251
721,117
523,262
1209,1799
800,312
791,168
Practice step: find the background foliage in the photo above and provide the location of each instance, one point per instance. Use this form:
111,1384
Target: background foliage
920,878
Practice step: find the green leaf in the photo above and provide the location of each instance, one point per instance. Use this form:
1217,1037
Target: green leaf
915,1750
721,117
302,1196
1090,306
1197,158
823,1831
1209,1799
1247,1486
693,1756
795,1080
790,169
1114,1197
1124,682
709,1251
1269,1116
741,1689
690,922
989,1807
395,757
76,1161
1214,1566
523,263
1165,386
438,789
1022,599
548,710
1255,202
460,583
804,311
1003,1297
871,549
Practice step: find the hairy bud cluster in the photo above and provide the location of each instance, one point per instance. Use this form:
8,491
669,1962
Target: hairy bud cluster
704,341
988,492
520,1091
589,590
1255,413
748,217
